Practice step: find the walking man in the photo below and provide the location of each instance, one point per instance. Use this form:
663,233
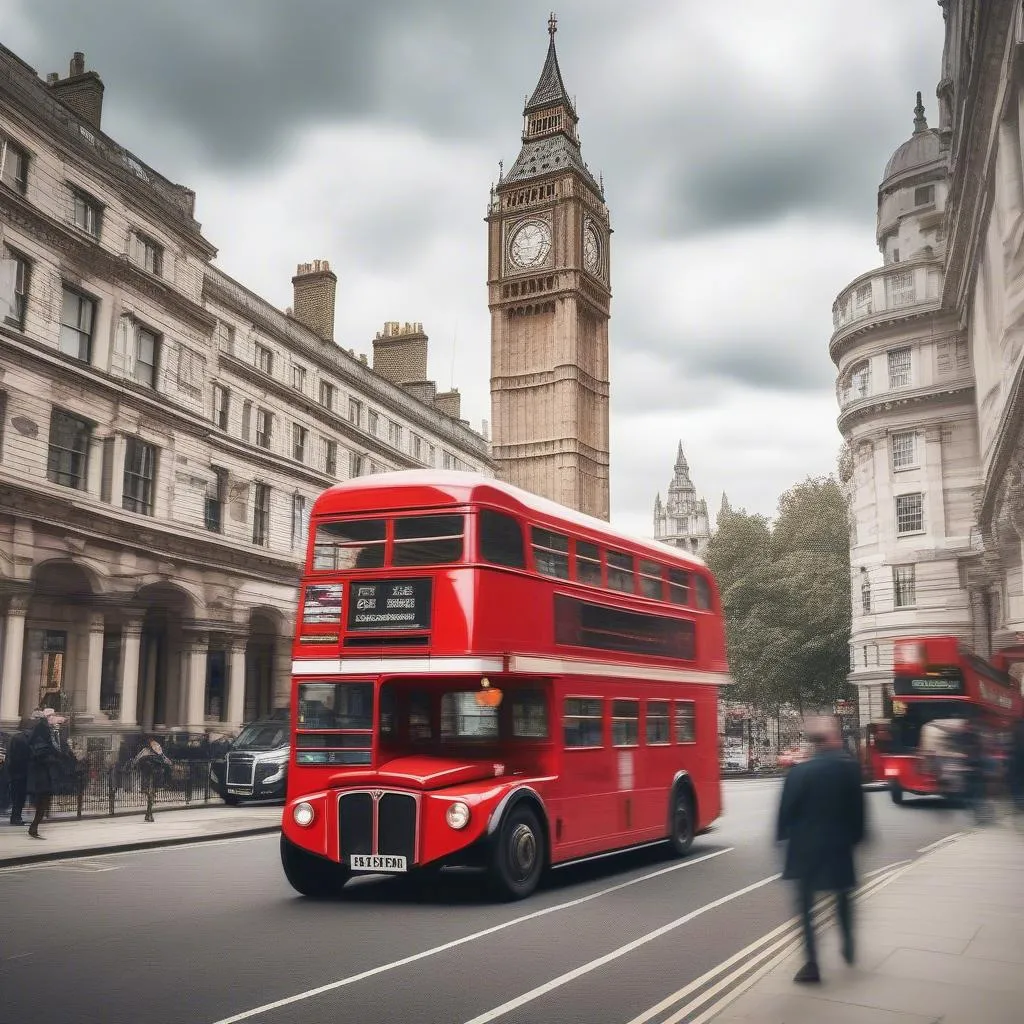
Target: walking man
822,818
17,770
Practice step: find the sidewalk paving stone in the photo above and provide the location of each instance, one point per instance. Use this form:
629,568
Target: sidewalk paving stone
90,836
942,942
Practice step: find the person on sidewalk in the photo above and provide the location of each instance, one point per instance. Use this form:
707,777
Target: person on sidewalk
47,766
17,770
821,819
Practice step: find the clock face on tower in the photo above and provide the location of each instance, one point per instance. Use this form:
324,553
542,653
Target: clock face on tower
529,244
591,248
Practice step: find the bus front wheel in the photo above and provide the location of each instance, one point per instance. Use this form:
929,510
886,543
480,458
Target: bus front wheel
517,861
683,824
310,875
896,792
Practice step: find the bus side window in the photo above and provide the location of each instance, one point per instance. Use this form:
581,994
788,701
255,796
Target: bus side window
703,589
686,722
584,722
501,539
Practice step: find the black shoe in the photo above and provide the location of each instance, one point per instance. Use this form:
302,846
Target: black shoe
808,974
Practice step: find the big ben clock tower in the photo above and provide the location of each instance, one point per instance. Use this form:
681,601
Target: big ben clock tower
549,296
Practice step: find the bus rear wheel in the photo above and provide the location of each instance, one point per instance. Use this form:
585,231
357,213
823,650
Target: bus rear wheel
517,861
896,792
683,822
310,875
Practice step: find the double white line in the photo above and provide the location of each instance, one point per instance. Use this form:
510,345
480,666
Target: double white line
721,986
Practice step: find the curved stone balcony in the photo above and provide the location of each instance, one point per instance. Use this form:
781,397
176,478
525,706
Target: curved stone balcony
893,292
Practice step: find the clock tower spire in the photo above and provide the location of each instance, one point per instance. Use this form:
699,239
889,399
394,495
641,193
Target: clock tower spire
549,296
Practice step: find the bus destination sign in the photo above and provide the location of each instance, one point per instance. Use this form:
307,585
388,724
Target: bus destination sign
390,605
906,686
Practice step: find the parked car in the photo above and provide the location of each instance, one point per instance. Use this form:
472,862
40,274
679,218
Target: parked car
794,755
255,766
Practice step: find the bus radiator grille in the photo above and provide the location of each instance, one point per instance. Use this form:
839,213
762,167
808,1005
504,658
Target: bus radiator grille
355,824
396,825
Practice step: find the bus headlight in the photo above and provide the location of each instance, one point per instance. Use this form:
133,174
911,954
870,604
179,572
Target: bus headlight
457,815
303,814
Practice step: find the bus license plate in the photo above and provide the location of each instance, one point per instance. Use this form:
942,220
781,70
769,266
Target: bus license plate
239,792
376,862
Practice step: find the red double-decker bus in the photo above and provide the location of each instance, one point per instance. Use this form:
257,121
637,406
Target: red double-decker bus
939,686
485,677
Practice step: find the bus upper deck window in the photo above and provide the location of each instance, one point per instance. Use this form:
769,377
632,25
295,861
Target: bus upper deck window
429,540
349,544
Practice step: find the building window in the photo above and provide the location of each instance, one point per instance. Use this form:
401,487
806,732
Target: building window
261,515
19,300
395,435
299,377
431,455
13,165
865,594
355,411
246,420
355,464
372,422
139,474
909,514
88,214
300,520
264,359
145,357
299,435
151,254
331,457
67,461
216,495
447,460
924,194
264,427
899,368
417,447
904,450
76,325
221,405
327,391
860,380
904,586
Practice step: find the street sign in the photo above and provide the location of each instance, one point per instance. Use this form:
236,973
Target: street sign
845,707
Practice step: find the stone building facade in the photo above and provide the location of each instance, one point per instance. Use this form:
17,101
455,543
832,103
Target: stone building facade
930,352
682,520
549,295
163,434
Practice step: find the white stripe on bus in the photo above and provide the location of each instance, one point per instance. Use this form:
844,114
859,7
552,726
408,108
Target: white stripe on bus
516,663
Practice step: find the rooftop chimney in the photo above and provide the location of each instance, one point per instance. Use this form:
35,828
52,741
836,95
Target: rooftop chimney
400,353
81,91
314,287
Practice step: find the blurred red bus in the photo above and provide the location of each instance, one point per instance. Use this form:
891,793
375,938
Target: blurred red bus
938,685
484,677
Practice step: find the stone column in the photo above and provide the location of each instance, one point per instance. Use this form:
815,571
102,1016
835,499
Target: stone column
281,673
14,647
197,653
979,623
94,665
131,645
236,684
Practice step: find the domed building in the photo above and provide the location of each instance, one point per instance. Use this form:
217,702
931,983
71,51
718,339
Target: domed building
907,412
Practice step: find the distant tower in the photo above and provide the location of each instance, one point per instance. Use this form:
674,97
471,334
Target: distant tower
549,296
683,519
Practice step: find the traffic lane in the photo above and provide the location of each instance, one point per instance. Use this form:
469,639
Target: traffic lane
145,932
457,983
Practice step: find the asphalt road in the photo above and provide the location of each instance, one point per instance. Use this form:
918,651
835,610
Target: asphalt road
212,933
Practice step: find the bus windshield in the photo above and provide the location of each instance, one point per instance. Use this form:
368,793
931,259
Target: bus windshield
906,728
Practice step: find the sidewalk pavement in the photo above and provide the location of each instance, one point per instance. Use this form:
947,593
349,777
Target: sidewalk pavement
90,836
941,941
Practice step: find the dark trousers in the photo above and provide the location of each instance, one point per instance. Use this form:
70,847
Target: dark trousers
42,802
844,911
19,793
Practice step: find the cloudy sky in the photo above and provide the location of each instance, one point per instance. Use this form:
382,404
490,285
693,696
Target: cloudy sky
741,145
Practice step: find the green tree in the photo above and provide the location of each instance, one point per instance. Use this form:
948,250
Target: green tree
786,595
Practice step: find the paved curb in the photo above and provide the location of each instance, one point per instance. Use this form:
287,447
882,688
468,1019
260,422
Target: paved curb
147,844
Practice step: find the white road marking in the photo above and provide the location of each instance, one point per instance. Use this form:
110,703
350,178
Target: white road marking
940,842
774,955
615,954
382,968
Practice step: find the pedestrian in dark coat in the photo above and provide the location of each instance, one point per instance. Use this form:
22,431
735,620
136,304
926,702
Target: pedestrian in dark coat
822,818
1015,767
17,771
48,764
